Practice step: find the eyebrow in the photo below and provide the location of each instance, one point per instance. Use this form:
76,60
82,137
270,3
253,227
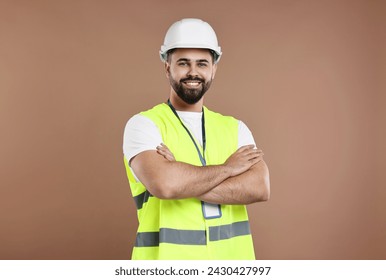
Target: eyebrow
188,60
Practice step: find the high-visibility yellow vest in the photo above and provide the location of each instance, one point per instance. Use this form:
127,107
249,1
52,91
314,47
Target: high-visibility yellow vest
176,229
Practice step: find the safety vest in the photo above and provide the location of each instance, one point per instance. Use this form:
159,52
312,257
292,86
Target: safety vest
176,229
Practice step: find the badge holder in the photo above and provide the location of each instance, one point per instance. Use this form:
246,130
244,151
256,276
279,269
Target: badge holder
211,211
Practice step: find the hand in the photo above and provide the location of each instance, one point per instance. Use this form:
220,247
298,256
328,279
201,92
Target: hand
243,159
164,151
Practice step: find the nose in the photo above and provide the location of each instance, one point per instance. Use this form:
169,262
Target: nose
192,71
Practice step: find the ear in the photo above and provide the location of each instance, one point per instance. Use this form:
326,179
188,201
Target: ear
167,69
214,70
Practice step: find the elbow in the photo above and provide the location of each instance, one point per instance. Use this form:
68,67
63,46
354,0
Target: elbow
265,186
266,189
165,194
163,189
263,192
266,194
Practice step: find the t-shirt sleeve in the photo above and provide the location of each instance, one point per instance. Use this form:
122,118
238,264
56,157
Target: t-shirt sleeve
245,135
141,134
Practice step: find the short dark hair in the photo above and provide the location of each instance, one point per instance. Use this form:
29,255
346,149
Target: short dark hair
169,52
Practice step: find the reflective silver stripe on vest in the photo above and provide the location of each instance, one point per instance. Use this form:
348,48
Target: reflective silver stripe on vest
147,239
229,231
168,235
191,237
141,199
186,237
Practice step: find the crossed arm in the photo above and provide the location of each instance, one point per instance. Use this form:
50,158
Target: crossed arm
242,179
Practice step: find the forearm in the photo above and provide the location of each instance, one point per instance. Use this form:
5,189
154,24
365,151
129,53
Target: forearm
246,188
182,180
175,180
167,178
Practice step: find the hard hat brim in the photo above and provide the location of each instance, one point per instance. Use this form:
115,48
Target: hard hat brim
164,50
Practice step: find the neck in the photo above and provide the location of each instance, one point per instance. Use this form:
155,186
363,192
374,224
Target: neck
180,105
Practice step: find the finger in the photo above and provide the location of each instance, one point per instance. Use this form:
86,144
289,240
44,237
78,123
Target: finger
253,153
167,156
245,147
253,157
163,145
163,148
256,160
170,158
246,152
161,152
164,151
250,148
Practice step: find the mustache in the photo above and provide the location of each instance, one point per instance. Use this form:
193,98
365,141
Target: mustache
192,79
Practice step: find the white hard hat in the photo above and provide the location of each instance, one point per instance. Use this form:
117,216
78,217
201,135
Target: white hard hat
190,33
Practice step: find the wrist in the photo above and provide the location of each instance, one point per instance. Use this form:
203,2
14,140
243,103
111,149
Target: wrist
227,170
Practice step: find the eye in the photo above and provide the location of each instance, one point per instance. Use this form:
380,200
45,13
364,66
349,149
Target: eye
182,64
202,64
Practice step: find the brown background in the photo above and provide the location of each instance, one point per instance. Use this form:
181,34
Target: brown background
308,78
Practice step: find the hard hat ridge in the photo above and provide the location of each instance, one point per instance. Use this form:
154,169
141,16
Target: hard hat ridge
190,33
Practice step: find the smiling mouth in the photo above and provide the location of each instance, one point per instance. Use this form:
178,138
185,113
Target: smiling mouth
192,83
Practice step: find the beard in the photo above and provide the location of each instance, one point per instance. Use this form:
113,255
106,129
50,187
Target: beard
190,95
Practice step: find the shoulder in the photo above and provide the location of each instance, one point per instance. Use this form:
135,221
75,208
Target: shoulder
143,123
138,121
245,135
156,111
140,134
147,117
218,117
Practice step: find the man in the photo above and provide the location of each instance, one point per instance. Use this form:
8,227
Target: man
191,170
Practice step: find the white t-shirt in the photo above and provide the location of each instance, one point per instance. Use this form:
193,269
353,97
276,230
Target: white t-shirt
141,133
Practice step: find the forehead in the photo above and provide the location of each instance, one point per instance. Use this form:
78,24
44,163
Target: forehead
192,54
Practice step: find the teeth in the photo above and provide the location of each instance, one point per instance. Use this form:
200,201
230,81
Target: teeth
192,83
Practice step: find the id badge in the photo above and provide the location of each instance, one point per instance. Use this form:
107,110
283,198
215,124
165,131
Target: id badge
211,211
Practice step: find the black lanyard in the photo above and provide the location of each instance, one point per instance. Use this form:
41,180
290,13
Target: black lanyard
202,156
